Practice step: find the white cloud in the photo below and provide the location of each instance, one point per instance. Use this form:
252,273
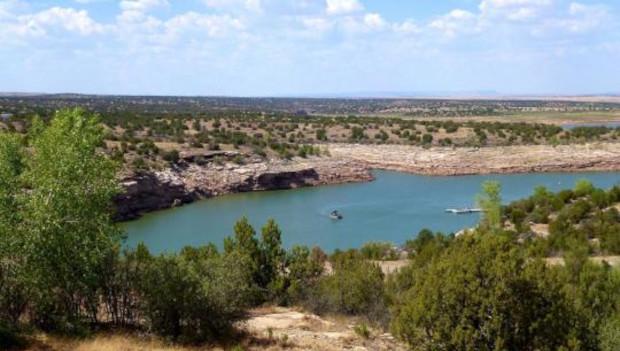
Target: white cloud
55,18
211,25
141,5
455,22
514,10
317,24
374,21
340,7
583,17
249,5
406,27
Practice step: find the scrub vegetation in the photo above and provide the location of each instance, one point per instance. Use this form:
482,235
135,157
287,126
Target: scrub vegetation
63,270
154,132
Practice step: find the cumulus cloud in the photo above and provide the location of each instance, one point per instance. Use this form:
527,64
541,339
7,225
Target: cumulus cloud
514,10
233,5
53,19
340,7
210,25
455,22
583,18
268,30
141,5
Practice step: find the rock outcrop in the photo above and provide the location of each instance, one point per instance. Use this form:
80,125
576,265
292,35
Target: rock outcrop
487,160
188,182
199,175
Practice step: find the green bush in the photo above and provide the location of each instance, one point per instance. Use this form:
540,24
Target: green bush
379,251
195,297
481,294
355,288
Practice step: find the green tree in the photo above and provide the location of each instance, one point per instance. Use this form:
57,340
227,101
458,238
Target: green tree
356,287
490,202
304,267
483,294
583,187
610,334
272,255
13,282
66,217
195,297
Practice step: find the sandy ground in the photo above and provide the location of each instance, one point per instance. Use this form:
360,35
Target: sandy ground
269,329
296,330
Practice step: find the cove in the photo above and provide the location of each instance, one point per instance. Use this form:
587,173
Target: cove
394,207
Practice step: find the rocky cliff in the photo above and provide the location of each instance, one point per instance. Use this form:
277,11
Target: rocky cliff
187,182
200,176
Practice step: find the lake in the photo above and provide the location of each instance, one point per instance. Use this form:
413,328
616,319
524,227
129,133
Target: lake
393,208
602,124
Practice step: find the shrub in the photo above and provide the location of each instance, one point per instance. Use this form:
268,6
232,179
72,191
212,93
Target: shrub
355,288
171,156
481,284
195,297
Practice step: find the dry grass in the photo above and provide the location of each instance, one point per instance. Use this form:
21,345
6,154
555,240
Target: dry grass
107,342
557,118
268,328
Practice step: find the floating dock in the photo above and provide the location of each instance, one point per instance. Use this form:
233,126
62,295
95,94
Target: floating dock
463,210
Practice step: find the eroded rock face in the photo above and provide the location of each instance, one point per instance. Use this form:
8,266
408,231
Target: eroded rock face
152,191
486,160
201,177
146,192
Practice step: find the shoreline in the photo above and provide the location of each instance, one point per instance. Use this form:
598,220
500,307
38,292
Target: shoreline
188,182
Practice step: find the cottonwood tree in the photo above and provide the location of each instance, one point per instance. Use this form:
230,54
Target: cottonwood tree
66,216
13,287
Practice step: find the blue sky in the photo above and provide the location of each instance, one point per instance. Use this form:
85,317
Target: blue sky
310,47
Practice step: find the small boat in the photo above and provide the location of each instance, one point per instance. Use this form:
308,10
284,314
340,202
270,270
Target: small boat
335,215
463,210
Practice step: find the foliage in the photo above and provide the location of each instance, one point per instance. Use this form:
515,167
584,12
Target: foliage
378,251
482,294
355,287
67,217
490,202
196,295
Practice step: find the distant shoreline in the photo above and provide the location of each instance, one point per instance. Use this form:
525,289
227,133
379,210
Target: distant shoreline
152,191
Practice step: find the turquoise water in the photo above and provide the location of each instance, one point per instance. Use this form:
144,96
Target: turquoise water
392,208
604,124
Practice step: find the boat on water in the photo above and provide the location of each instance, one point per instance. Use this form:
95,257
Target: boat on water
465,210
335,215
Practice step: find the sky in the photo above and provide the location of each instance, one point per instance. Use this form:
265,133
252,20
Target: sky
310,47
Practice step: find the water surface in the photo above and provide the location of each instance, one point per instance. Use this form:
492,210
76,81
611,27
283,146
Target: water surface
393,208
601,124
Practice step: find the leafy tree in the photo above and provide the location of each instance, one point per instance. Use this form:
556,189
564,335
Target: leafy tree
583,187
66,217
192,297
13,282
272,255
355,287
483,294
304,268
490,202
610,334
